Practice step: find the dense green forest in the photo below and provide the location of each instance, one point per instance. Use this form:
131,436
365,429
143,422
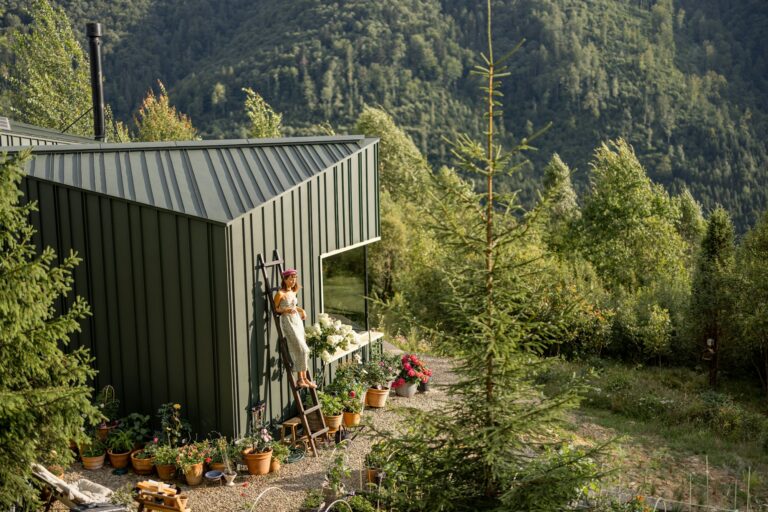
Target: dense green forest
684,81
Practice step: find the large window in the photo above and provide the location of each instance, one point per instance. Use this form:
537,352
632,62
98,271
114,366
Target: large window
344,287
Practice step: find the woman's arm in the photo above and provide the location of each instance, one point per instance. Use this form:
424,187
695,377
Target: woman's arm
301,312
278,298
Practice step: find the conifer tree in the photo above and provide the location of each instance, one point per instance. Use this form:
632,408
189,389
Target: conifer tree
265,122
711,295
158,120
560,208
44,395
489,448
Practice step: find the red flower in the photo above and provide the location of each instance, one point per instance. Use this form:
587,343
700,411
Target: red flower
208,460
407,366
245,484
352,394
411,373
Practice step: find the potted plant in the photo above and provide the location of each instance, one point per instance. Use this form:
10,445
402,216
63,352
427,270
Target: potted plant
313,502
333,487
352,405
379,373
108,404
142,460
332,408
137,426
222,453
257,451
119,444
93,454
190,459
280,453
375,461
412,371
165,461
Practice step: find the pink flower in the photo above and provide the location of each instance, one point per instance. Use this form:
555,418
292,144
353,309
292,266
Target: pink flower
424,379
407,366
208,460
352,394
155,440
245,484
411,373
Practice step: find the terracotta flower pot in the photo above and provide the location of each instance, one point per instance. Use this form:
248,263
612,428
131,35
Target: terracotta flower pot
92,463
119,460
407,390
194,474
258,463
103,432
372,475
274,466
333,422
141,466
351,419
376,398
217,466
166,471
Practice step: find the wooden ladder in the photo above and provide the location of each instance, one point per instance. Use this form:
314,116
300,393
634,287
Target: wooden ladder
277,264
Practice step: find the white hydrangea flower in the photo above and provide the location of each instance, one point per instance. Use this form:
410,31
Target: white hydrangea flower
325,356
358,359
346,329
351,338
334,339
310,331
337,325
325,320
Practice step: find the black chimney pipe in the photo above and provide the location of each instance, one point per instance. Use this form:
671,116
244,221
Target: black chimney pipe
97,89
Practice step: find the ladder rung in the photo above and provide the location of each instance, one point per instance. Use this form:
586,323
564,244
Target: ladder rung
319,432
272,263
312,409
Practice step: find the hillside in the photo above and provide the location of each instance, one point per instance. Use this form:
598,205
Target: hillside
686,81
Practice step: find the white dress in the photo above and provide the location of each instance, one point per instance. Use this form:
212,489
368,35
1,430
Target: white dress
293,330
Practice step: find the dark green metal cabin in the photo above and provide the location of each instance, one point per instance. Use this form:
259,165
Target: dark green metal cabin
169,234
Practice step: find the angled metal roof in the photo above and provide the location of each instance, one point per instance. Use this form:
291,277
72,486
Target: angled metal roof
16,132
214,180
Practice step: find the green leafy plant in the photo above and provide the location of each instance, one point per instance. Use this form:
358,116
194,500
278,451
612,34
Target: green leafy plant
137,426
224,451
165,454
173,429
338,469
359,503
331,405
352,401
280,451
93,448
119,441
313,500
124,496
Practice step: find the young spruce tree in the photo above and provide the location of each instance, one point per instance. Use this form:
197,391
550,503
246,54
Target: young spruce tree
493,446
44,395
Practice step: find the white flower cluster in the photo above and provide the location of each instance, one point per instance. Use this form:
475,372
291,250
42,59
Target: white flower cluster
327,336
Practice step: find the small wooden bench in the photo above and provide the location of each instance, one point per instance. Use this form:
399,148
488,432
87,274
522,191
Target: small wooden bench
292,424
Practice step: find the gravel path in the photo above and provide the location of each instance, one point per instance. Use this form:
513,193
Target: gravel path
289,487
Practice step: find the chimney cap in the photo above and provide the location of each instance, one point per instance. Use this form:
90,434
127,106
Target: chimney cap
93,29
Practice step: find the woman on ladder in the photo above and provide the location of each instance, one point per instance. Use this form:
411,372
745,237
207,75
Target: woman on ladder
292,323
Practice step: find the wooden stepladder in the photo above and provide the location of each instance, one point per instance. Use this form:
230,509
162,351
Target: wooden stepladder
277,265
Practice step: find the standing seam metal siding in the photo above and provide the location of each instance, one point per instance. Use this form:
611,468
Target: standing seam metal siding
156,284
337,208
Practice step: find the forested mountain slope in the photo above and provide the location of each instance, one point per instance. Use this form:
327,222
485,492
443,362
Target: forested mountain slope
685,81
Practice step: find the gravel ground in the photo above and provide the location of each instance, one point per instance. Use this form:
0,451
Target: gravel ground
285,491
